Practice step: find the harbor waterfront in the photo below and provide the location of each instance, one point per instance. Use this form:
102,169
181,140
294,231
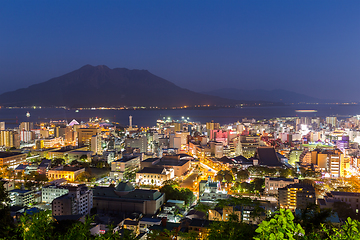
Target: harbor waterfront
147,118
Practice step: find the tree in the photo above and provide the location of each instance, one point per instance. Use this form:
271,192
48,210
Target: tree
232,229
57,162
349,231
228,177
311,217
203,208
234,170
84,177
6,221
281,226
74,162
19,175
172,191
285,173
170,182
36,226
83,157
344,210
242,175
219,177
258,184
41,178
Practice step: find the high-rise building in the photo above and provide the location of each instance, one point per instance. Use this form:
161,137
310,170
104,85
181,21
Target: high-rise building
69,135
9,138
2,125
26,126
26,136
331,121
85,135
212,126
60,131
96,147
296,196
139,142
79,200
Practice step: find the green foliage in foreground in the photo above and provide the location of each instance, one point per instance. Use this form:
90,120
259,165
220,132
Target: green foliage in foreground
174,192
281,226
41,226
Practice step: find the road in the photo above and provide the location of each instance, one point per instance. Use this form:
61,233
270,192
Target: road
188,182
207,167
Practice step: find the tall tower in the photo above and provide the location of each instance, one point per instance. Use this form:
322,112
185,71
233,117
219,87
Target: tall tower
130,121
239,149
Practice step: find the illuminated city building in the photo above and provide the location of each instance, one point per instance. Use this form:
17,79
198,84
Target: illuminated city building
12,159
125,198
125,164
273,184
249,145
296,196
68,173
351,198
154,175
9,138
332,121
21,197
85,135
211,126
78,200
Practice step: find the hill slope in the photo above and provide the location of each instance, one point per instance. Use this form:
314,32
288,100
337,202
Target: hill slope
95,86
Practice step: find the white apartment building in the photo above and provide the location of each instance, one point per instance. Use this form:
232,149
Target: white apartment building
49,193
273,184
79,200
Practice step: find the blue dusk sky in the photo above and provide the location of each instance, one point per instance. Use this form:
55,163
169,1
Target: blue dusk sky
311,47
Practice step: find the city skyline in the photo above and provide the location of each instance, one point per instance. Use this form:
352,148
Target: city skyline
309,47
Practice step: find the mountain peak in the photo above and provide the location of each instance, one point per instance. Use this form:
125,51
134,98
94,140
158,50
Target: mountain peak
94,86
89,66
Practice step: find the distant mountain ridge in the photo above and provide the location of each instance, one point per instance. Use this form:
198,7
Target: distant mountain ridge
276,95
100,86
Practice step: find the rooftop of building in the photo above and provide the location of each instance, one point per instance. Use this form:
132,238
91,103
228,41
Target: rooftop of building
349,194
129,222
9,154
172,162
281,179
268,157
68,217
124,187
197,222
150,220
143,194
62,150
45,163
126,158
183,155
20,191
152,170
241,159
151,160
80,151
66,168
225,160
299,185
136,195
169,226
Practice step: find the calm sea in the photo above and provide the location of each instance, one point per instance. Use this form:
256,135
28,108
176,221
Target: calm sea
13,117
